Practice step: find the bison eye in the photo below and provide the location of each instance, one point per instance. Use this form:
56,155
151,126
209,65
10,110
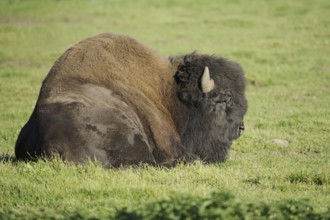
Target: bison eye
241,129
223,96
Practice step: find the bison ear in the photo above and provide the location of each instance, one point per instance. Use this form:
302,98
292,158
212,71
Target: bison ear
207,83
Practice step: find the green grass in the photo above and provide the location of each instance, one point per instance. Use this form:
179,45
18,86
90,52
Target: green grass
284,47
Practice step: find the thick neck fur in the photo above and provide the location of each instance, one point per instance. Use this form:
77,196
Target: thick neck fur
204,135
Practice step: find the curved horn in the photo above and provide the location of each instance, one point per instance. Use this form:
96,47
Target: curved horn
207,82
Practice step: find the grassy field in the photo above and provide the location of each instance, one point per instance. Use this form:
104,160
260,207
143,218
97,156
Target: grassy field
284,47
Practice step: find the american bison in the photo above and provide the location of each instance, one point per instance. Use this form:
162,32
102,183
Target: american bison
113,99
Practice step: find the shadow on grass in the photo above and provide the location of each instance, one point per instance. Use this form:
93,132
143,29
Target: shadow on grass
7,158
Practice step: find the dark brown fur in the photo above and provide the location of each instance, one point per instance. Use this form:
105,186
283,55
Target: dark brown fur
209,122
113,99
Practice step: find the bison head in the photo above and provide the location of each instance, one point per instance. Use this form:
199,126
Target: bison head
211,89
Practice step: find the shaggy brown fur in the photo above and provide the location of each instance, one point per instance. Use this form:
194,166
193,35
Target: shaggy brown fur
113,99
101,93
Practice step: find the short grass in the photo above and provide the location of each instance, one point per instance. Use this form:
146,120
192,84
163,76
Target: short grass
284,47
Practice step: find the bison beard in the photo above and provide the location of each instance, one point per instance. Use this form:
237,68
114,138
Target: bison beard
113,99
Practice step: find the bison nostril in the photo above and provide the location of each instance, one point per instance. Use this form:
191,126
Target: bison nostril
241,129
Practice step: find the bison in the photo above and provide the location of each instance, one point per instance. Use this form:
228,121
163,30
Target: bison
115,100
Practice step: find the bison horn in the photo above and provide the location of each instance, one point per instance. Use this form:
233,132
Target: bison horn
207,82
